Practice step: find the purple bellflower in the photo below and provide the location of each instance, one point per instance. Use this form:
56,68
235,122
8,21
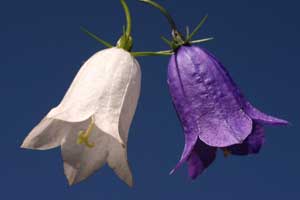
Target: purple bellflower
212,110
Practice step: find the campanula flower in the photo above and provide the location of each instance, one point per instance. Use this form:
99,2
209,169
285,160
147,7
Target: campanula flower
92,122
212,110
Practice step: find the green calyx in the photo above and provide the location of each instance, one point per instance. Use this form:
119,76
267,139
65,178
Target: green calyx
177,38
125,41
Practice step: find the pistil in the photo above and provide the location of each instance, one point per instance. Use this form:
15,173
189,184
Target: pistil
83,137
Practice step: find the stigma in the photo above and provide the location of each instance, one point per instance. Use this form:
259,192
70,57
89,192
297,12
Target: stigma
83,136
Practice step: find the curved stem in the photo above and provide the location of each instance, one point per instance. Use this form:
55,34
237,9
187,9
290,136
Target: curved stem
128,17
163,11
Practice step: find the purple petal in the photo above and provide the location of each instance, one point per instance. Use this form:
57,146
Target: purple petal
204,100
190,141
252,144
261,117
254,113
201,157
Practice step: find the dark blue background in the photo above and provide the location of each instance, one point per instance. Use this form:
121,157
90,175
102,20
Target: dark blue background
42,48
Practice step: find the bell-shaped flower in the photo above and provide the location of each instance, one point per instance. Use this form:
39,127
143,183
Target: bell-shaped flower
92,121
212,110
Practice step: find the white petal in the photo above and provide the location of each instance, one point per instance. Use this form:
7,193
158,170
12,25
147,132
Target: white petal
107,85
117,160
91,87
130,102
47,134
121,98
81,161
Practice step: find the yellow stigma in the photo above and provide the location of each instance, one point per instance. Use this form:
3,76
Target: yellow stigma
226,152
83,137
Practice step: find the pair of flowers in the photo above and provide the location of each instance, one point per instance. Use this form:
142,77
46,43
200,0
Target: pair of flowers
92,122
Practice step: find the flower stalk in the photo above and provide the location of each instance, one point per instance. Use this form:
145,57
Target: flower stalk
125,41
177,37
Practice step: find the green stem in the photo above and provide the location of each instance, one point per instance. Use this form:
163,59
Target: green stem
125,42
128,17
149,53
178,39
163,11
